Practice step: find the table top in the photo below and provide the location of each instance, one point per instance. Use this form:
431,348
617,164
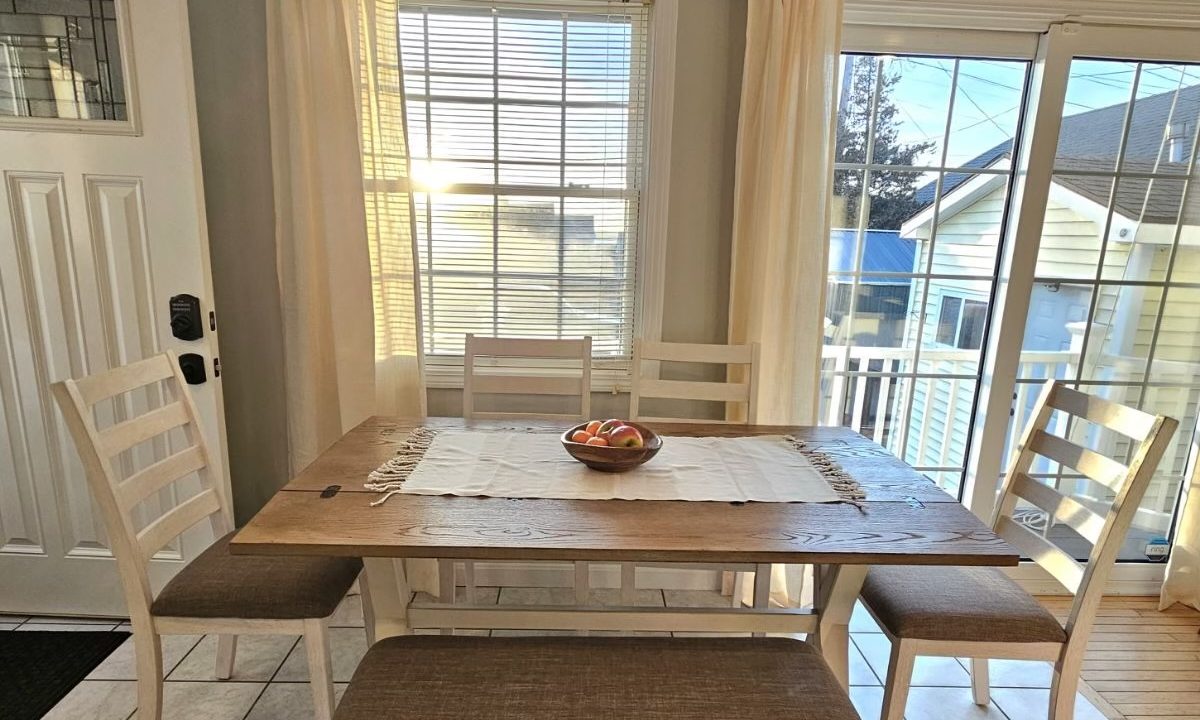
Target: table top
906,519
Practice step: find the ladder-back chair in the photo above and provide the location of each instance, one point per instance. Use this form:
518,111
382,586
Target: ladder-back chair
980,613
216,593
651,353
525,381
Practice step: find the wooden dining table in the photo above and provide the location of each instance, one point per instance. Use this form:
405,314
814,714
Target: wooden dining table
904,520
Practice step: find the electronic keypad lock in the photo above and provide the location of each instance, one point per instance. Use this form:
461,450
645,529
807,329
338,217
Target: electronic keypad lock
185,317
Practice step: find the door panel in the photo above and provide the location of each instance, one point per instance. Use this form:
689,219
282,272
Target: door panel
101,222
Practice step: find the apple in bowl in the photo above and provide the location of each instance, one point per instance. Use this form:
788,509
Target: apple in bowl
612,445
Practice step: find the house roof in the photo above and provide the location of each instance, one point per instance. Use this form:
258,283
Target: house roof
883,251
1088,142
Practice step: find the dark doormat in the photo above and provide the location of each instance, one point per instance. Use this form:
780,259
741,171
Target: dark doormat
38,668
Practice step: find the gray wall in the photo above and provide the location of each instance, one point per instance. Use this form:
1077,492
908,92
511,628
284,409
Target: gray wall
229,51
229,54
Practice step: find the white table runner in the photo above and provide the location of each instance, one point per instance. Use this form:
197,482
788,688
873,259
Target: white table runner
535,465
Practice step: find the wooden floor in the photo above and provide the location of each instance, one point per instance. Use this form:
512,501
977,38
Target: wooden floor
1143,663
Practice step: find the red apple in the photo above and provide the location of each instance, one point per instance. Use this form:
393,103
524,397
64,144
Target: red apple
608,426
625,436
593,428
581,436
597,441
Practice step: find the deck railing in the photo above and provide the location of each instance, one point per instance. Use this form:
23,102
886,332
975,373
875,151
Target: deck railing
870,389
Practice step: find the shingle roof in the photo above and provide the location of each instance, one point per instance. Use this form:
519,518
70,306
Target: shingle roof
1088,142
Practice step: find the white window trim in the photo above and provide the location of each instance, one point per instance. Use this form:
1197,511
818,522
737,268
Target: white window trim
446,371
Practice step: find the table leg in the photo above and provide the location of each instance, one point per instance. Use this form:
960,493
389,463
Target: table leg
837,589
390,596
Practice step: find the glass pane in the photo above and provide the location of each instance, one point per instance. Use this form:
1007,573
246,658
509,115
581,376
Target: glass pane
1163,124
941,412
1098,93
969,222
901,101
1054,328
872,313
987,106
61,59
1076,217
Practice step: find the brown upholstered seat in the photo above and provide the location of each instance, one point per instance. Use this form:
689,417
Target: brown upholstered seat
956,603
218,584
586,678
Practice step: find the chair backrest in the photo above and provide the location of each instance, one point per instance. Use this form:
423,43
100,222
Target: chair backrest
526,380
1105,531
744,391
172,423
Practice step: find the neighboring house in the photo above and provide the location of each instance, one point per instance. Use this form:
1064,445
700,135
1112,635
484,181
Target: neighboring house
1141,233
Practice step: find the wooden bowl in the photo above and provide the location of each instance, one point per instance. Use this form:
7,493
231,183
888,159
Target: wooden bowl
613,459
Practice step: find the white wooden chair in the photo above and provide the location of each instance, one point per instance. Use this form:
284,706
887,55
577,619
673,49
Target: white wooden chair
648,353
744,392
979,612
523,380
217,592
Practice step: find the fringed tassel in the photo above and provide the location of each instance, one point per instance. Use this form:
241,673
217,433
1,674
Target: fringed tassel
845,486
389,478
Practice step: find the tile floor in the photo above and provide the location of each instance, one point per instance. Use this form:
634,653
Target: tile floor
270,677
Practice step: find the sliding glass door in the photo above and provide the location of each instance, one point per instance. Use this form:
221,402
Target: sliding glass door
1115,306
1013,208
924,167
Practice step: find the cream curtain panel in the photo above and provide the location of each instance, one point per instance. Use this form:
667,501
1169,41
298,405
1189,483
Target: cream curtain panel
343,238
321,242
1182,583
783,182
343,234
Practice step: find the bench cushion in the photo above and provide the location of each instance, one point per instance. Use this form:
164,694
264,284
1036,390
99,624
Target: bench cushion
218,584
585,678
957,603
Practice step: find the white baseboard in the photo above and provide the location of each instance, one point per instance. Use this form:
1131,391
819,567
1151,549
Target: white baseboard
601,575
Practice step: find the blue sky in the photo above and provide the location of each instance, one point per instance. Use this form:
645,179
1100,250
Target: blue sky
988,96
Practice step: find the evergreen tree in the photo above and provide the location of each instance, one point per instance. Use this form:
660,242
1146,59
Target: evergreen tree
892,193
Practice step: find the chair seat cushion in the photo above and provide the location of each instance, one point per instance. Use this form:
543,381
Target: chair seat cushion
517,678
219,584
957,603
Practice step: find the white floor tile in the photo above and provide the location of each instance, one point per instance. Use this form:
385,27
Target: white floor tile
566,596
120,665
929,671
288,701
209,700
97,700
437,631
483,596
860,670
348,613
868,700
257,658
347,646
1021,703
51,620
861,620
696,599
942,703
1016,673
66,627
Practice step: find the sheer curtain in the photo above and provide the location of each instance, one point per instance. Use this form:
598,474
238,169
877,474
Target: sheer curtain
1182,583
781,216
320,227
344,241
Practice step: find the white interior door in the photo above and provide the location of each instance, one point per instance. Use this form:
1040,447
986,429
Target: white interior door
101,222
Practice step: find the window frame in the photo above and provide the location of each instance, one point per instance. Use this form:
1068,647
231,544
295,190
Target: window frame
649,259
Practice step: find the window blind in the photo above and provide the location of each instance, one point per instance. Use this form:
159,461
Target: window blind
526,130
